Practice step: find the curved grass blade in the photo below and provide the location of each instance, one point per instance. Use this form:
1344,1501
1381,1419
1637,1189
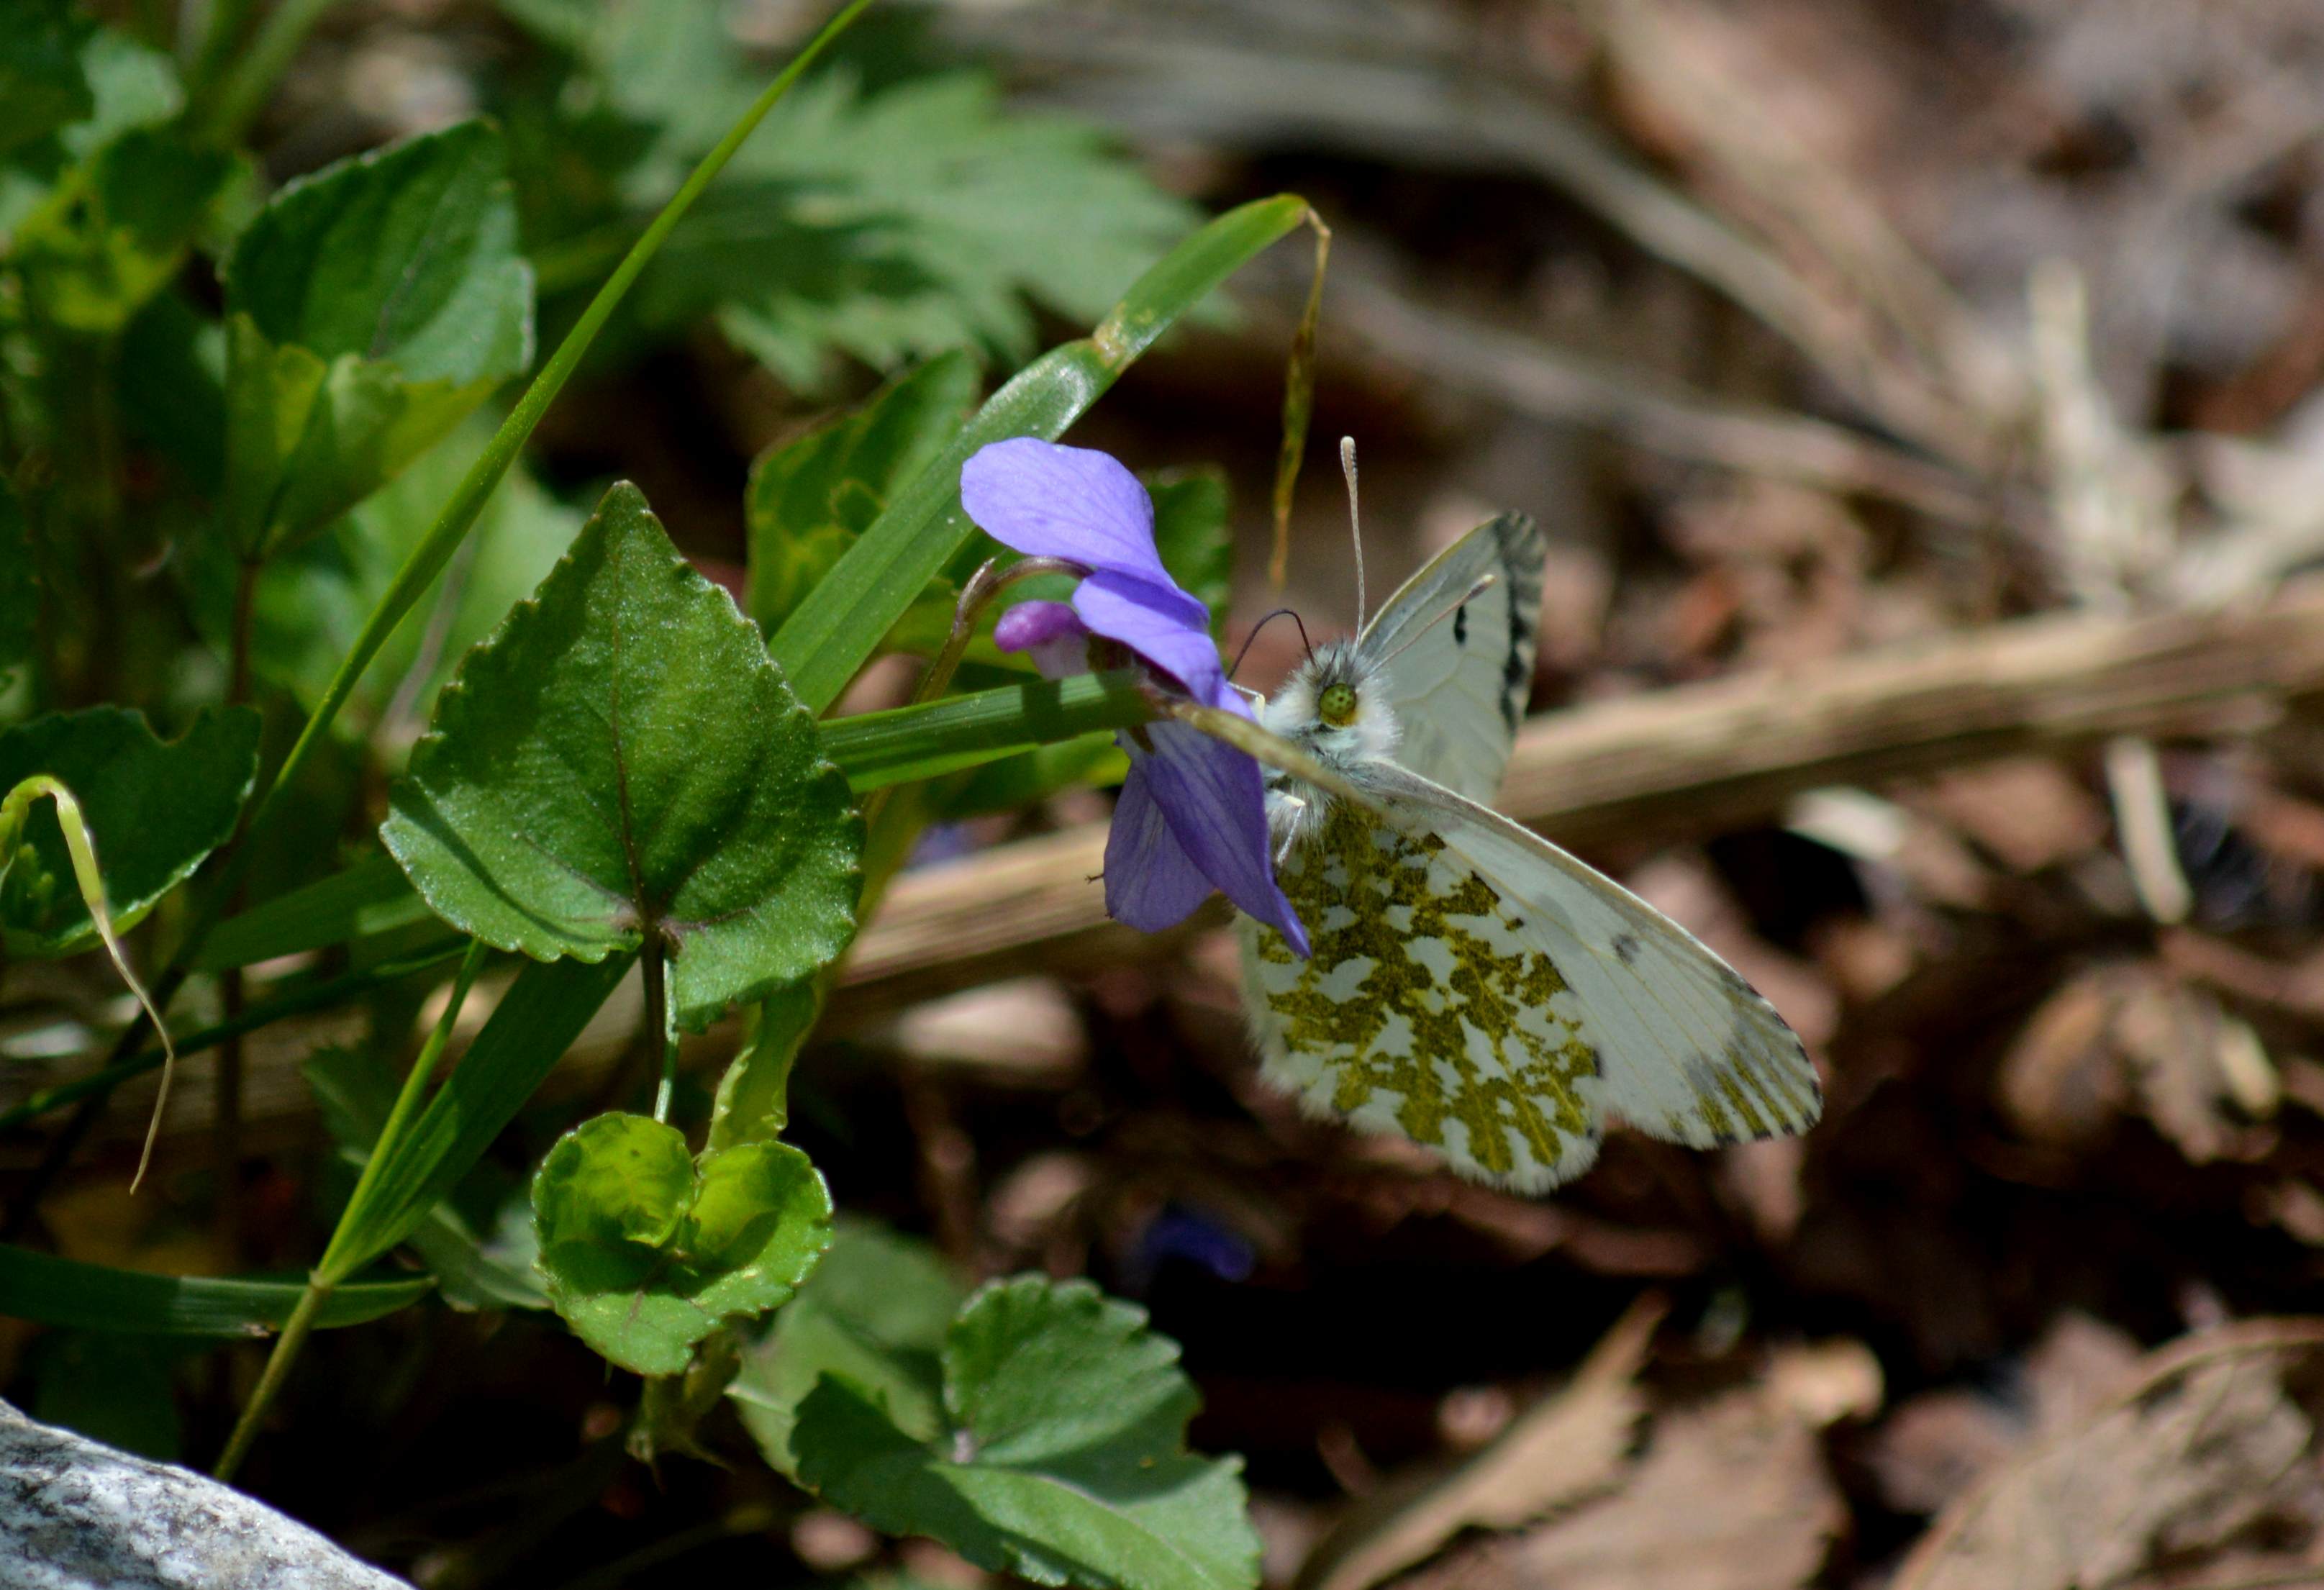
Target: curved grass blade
97,1297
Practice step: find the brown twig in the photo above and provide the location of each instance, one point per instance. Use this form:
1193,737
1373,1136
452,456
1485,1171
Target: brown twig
1689,760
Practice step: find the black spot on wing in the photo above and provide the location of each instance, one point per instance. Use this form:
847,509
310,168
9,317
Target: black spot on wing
1626,949
1461,625
1520,544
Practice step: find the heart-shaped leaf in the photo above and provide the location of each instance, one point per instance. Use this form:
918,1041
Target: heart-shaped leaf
621,758
647,1250
1061,1455
368,308
154,810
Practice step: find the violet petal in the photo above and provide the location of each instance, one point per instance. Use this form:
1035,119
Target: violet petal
1161,623
1051,631
1214,800
1075,503
1150,883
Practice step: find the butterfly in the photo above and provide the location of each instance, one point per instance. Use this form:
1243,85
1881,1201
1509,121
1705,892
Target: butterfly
1472,987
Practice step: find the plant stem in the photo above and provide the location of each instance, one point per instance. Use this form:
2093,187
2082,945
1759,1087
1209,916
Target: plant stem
407,1105
269,1380
225,1080
653,1021
326,1275
419,571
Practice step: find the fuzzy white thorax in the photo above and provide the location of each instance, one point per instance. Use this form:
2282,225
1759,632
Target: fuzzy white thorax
1294,808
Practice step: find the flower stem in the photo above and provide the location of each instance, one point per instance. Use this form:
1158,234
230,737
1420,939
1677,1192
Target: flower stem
278,1369
653,1021
326,1275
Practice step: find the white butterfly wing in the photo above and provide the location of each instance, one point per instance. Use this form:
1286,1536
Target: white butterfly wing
1476,989
1692,1053
1459,687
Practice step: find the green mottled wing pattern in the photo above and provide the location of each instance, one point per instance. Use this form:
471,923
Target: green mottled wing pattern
1429,1007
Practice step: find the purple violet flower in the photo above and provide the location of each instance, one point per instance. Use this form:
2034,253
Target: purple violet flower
1193,812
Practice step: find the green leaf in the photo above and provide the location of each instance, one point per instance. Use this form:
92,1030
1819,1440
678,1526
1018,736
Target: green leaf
369,308
811,497
355,1090
154,809
312,599
622,758
822,645
938,213
753,1104
52,1291
536,1021
874,1313
20,588
43,84
135,214
1062,1457
647,1250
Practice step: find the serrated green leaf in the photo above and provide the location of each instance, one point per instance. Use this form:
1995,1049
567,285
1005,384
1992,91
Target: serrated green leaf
369,308
1064,1457
621,756
154,809
874,1313
98,1297
811,497
953,210
20,588
647,1250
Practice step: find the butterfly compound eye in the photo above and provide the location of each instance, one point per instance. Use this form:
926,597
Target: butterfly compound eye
1337,705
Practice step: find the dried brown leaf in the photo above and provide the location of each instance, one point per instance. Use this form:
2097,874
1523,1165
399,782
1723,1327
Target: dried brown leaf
1566,1446
2201,1452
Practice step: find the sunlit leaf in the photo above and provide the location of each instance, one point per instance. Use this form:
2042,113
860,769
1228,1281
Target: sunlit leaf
368,308
647,1249
874,1313
154,809
1060,1455
622,758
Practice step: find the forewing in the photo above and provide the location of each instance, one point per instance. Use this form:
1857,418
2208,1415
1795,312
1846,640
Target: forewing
1689,1051
1429,1007
1459,688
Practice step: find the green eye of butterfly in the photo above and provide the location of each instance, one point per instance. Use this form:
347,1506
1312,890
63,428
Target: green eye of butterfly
1337,707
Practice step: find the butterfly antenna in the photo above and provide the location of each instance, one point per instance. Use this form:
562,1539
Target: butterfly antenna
1484,583
1355,523
1247,641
